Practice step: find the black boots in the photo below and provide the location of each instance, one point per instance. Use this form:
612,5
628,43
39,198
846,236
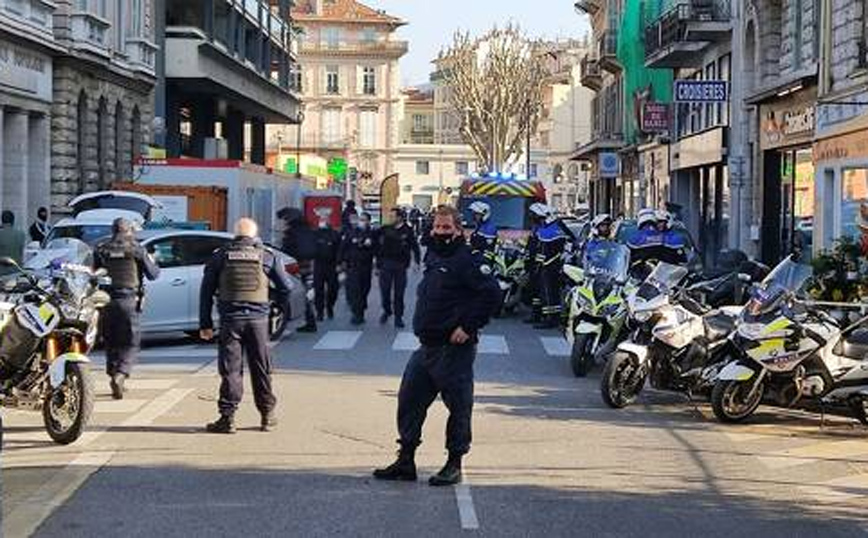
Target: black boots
449,475
224,424
403,470
384,317
117,385
269,422
399,323
308,328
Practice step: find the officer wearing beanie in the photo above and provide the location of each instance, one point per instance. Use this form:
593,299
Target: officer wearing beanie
455,300
240,272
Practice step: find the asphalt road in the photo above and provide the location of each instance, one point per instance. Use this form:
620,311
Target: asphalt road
549,459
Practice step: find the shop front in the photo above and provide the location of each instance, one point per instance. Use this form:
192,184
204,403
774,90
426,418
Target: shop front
787,167
654,171
700,186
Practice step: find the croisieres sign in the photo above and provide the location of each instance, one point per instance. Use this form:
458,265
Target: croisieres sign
701,91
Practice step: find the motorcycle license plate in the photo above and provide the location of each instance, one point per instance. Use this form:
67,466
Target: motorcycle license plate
588,328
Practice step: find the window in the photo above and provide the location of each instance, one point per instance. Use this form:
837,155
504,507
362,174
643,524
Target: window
421,123
368,35
167,252
136,138
332,80
724,74
796,6
120,166
854,184
369,81
710,108
368,128
331,125
81,135
534,170
198,250
462,168
331,37
423,168
101,142
135,15
295,79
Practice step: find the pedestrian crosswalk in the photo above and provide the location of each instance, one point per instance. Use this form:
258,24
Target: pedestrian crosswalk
489,344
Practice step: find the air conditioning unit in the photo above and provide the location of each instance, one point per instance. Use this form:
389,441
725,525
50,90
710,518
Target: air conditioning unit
216,148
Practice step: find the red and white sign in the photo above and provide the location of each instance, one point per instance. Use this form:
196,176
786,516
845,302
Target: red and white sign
655,117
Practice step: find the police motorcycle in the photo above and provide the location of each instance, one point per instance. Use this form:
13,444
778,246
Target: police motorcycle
48,324
596,306
509,269
791,352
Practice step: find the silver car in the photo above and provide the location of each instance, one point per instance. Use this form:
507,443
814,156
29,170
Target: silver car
172,301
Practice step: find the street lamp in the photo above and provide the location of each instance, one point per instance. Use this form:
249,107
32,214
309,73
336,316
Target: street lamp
300,118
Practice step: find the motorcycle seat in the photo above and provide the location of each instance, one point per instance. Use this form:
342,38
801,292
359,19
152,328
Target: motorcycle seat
718,326
856,345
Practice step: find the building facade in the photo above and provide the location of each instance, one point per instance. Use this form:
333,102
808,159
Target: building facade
103,80
348,78
27,47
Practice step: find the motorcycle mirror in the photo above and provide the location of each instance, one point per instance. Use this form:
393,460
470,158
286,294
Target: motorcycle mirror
744,277
8,262
101,272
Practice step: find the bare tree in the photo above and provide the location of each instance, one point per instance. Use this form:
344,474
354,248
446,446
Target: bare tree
496,89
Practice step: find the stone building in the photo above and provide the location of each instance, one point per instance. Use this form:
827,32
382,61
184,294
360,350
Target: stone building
103,93
26,48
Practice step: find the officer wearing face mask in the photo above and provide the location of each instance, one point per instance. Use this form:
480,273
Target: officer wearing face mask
357,256
128,264
325,269
455,300
396,247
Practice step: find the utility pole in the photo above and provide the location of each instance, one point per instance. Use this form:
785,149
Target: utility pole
300,118
527,149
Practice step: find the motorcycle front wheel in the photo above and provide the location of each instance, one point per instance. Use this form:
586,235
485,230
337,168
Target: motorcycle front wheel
581,358
622,380
67,409
732,401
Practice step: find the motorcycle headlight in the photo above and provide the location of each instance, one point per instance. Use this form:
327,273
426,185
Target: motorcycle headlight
611,309
642,316
585,302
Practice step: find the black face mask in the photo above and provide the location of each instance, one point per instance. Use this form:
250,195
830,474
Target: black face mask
444,244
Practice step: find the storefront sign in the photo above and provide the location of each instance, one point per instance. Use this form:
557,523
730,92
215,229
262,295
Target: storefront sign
25,70
698,150
655,117
789,121
609,164
840,148
701,91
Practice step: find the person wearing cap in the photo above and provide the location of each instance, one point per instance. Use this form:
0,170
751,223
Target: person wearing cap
127,264
483,239
241,272
551,241
357,256
396,248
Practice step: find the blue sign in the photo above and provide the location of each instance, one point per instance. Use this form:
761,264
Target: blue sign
701,91
609,164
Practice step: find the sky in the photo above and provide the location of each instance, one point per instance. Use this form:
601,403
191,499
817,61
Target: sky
431,24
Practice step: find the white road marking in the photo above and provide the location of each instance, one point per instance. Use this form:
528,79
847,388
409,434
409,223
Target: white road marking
555,346
405,342
852,449
118,406
466,510
338,340
493,344
847,488
150,384
207,370
158,406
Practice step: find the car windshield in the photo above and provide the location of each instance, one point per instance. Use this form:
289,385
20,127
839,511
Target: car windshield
88,233
507,212
608,258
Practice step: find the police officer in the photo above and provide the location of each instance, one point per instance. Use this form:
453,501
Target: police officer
40,228
455,300
538,212
396,247
300,243
357,255
483,239
240,272
127,264
600,233
550,243
325,269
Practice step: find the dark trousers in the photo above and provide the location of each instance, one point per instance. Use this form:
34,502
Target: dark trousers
240,338
550,288
307,279
325,283
447,371
121,335
393,283
358,286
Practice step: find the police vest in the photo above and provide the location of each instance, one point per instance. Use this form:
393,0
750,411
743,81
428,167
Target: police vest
122,265
242,278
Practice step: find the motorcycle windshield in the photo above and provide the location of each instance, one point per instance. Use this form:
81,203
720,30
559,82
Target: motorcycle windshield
787,277
666,276
608,259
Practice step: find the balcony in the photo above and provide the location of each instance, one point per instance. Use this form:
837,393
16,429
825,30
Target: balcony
90,33
607,50
141,54
677,38
394,49
31,17
590,7
592,74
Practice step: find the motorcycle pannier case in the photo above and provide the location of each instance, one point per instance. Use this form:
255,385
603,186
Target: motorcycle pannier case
17,345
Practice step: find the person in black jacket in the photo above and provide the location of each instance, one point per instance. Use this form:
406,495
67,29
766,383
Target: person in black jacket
325,269
396,247
357,256
455,300
128,264
241,272
300,243
40,228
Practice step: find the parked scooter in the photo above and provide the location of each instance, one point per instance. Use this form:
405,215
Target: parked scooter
596,305
791,352
509,269
48,324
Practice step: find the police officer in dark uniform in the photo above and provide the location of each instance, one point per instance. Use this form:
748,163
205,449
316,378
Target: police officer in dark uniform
551,240
538,212
357,255
240,272
325,269
396,247
128,264
483,239
299,242
455,299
